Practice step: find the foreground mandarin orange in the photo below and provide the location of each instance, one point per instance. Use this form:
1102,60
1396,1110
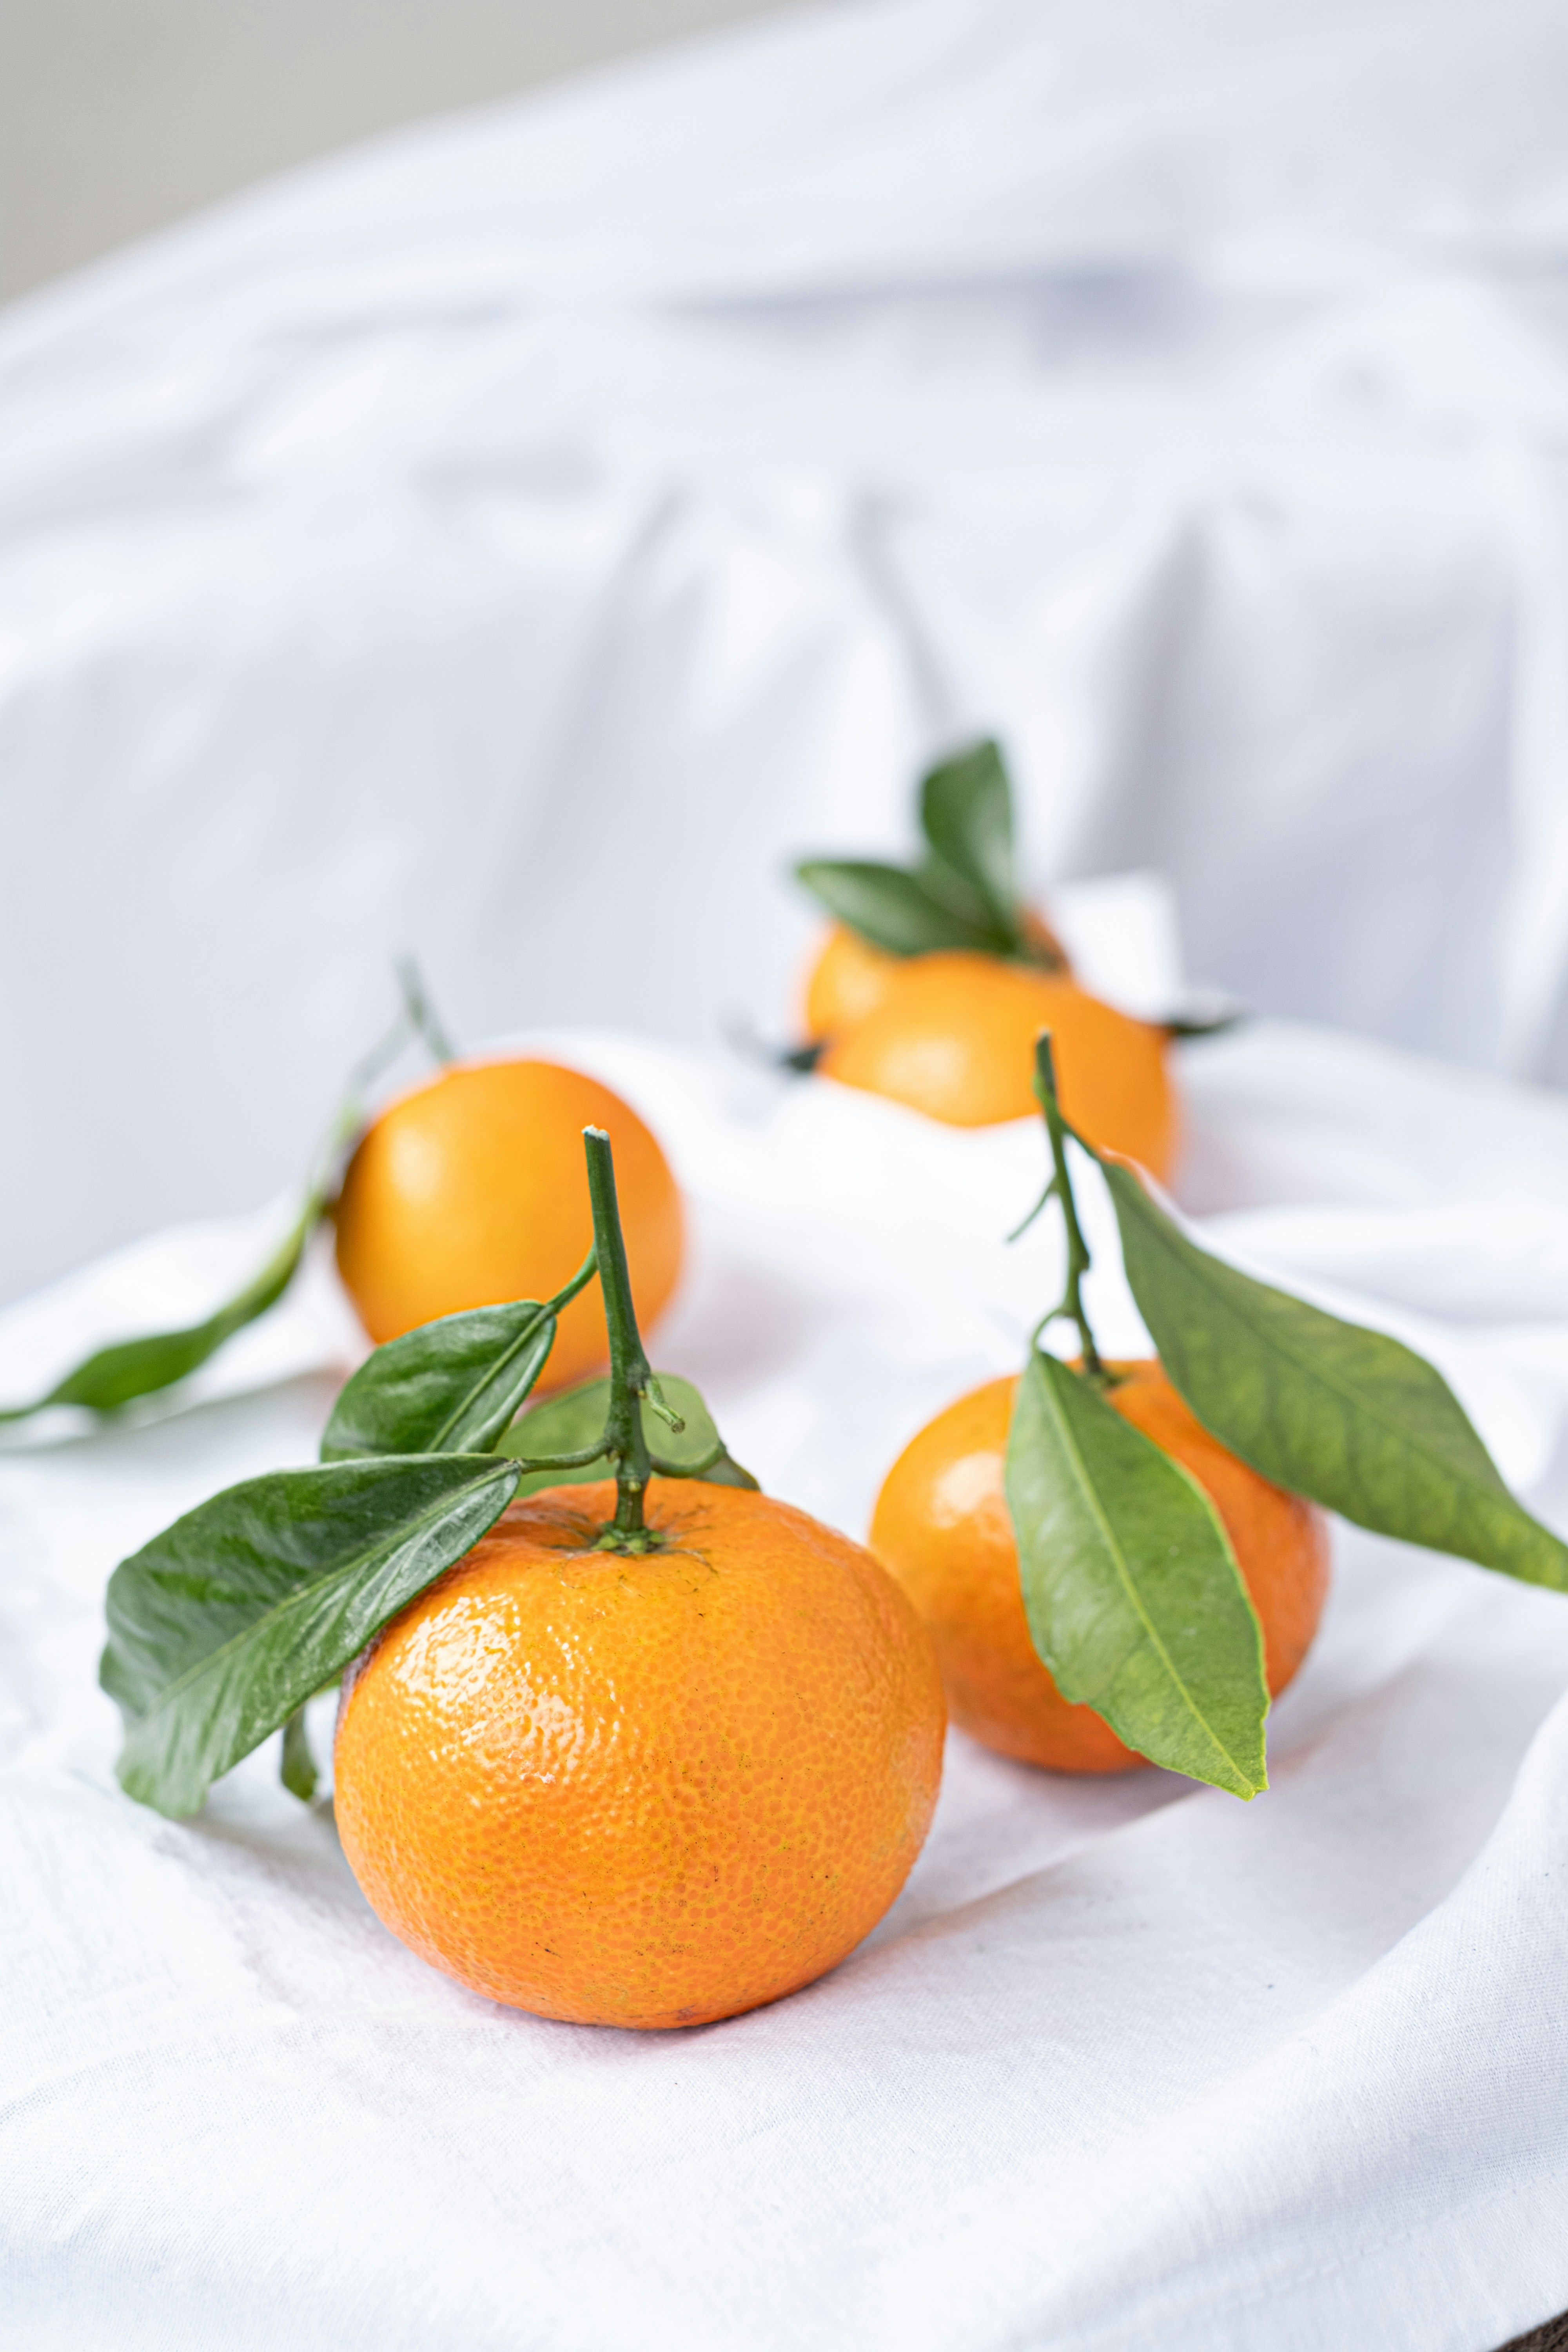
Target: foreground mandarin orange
469,1192
642,1790
942,1527
955,1036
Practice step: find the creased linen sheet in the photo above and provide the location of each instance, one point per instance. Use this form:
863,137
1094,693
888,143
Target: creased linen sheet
1128,2063
518,540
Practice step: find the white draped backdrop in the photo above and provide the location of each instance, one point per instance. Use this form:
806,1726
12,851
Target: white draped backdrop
516,542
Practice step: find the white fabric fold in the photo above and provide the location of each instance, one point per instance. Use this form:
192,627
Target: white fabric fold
1128,2062
520,540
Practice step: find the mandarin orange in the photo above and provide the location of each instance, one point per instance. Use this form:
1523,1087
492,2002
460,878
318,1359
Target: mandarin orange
955,1036
942,1527
642,1790
848,980
469,1192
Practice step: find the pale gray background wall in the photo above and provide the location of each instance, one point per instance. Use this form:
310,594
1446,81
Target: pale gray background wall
117,115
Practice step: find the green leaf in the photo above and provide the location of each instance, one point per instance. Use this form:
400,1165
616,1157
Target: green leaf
297,1770
117,1375
449,1387
1205,1025
894,909
1133,1596
575,1418
725,1472
223,1625
959,897
133,1368
967,815
1328,1409
565,1424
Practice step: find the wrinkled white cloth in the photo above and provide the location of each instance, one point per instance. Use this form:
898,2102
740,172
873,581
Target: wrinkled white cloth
1128,2063
519,540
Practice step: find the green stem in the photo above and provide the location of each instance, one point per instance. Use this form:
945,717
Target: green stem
580,1281
422,1015
1079,1260
353,1110
580,1460
1038,1210
630,1374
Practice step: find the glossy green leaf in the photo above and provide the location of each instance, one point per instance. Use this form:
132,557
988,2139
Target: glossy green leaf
1328,1409
566,1423
1132,1593
962,894
575,1418
223,1625
966,814
894,909
449,1387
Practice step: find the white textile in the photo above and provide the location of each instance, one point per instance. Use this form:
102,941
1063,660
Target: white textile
520,538
518,541
1129,2062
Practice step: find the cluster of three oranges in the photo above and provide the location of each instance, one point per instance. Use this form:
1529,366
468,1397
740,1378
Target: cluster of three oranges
659,1791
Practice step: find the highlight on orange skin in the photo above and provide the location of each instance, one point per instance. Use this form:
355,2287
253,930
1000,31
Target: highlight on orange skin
469,1192
942,1527
648,1790
955,1036
848,980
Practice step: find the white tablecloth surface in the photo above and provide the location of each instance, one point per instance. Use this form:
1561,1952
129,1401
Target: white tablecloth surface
1129,2062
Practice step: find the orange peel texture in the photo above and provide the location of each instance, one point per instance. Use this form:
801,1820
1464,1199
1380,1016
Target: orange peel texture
469,1192
642,1790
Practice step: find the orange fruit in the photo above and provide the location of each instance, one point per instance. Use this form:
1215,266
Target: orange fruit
645,1791
469,1192
955,1036
942,1527
850,977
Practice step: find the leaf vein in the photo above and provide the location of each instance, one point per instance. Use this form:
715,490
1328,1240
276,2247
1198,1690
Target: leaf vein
281,1612
1124,1572
1348,1393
